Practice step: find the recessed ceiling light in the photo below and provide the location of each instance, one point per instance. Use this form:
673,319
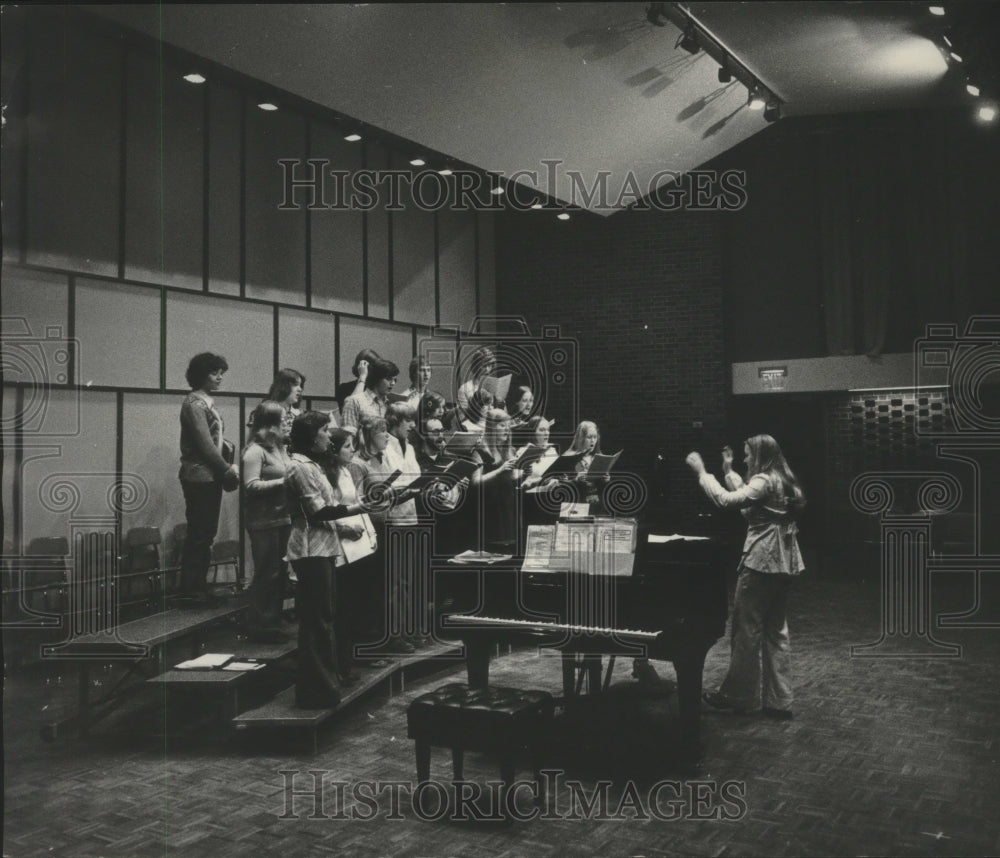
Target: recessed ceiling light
353,138
972,89
947,41
418,162
756,102
194,77
563,216
497,191
936,10
986,113
444,172
266,105
537,206
956,57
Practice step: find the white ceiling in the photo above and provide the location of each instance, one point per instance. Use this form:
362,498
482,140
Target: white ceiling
506,87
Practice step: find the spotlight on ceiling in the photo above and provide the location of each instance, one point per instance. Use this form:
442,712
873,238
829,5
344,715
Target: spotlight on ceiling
755,100
972,89
772,111
725,75
936,10
986,113
194,77
352,138
689,40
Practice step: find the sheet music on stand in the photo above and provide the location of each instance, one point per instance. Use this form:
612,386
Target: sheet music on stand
598,546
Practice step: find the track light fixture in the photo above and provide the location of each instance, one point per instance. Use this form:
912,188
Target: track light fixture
725,75
689,40
755,99
772,111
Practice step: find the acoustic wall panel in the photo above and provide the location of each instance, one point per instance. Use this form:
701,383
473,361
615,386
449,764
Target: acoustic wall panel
336,233
164,179
457,267
487,263
413,263
377,240
308,342
74,129
118,330
71,478
225,106
241,332
34,345
275,238
394,342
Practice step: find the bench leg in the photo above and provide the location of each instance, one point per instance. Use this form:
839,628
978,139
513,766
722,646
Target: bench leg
457,764
423,761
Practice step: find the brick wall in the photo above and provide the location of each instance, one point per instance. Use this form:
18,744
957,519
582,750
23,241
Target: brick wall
641,293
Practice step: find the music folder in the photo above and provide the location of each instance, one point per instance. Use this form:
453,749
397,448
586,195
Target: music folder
602,463
366,544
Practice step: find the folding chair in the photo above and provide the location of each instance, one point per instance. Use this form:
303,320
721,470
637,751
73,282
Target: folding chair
45,582
142,554
227,553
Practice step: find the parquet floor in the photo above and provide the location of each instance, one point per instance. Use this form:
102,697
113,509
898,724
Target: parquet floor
884,757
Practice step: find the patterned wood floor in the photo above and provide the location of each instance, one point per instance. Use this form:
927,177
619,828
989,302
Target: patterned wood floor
884,757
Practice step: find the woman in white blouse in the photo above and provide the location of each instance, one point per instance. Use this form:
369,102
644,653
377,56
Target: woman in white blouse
314,550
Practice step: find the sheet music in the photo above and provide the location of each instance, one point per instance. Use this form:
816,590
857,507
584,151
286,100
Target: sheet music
356,549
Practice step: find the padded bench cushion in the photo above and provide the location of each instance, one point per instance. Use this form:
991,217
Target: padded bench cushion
456,712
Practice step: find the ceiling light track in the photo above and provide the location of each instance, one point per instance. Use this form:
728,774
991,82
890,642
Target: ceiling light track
696,36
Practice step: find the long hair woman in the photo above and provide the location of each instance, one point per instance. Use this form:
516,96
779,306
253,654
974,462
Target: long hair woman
315,551
499,480
574,464
770,501
286,389
266,518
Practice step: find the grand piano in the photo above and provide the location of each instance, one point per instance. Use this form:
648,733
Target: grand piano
672,607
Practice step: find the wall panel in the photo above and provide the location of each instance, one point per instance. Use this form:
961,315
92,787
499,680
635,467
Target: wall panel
242,333
118,329
224,154
390,341
337,245
486,263
71,476
275,238
35,329
377,241
73,146
413,267
164,180
457,267
308,342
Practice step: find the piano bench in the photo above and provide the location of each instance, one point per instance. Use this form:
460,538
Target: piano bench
494,719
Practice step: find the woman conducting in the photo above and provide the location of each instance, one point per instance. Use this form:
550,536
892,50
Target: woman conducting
770,502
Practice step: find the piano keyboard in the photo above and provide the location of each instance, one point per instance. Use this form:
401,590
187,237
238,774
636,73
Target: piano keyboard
541,626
